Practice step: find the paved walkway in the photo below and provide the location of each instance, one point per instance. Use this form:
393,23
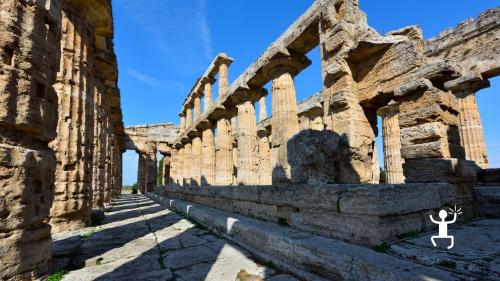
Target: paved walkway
141,240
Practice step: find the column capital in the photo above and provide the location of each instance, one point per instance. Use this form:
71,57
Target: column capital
207,80
244,94
467,84
390,109
286,64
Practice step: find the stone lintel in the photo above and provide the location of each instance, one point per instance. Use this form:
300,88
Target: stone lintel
467,84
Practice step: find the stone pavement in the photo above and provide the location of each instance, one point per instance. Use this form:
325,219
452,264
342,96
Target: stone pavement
141,240
476,253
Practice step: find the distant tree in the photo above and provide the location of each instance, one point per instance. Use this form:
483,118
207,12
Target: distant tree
134,188
383,177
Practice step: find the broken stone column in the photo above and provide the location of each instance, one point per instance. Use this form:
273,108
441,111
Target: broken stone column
391,137
430,141
247,136
196,161
285,122
208,156
141,172
224,153
471,129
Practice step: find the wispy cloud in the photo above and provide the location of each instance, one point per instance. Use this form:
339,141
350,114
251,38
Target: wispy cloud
148,80
179,30
156,83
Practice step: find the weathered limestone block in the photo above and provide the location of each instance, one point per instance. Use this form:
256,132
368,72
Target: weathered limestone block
317,157
224,153
26,192
346,116
166,169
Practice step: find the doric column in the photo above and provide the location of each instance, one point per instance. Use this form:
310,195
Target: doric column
183,122
179,171
285,122
471,129
151,168
224,153
391,137
196,161
189,117
264,164
207,93
223,78
262,108
166,161
247,135
208,156
196,107
187,164
236,154
173,166
141,172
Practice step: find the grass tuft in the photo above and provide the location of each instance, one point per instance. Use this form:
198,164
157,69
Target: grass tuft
382,248
57,276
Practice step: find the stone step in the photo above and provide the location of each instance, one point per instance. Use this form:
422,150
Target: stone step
488,200
307,256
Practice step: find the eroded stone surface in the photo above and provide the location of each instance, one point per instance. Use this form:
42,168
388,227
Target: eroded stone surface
141,240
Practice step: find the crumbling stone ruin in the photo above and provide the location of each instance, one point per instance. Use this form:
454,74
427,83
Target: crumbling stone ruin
61,125
311,166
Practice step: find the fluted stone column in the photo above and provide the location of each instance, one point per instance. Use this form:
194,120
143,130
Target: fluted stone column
208,157
207,95
187,164
196,161
224,153
236,154
179,171
264,163
141,172
189,117
391,137
223,78
197,107
471,129
183,122
285,122
262,108
247,135
166,169
151,169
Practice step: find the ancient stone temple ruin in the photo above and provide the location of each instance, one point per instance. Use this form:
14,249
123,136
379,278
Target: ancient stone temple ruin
299,188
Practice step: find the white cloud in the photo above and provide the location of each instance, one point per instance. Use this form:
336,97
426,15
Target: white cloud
148,80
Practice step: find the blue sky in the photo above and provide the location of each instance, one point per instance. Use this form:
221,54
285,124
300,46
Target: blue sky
164,45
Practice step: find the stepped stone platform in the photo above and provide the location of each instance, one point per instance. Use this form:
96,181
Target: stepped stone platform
314,257
142,240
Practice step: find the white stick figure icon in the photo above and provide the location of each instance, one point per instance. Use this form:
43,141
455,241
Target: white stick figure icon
443,226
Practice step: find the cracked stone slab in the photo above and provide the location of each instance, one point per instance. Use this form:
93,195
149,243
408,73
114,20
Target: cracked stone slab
476,252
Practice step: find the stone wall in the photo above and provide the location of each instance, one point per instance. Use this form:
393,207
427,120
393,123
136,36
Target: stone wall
57,81
360,214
